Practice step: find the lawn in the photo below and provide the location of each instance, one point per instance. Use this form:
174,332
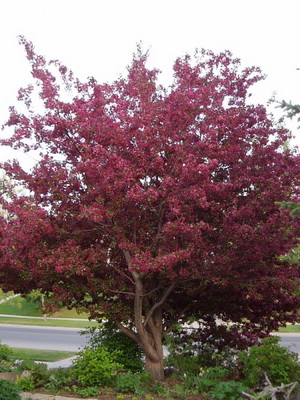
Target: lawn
40,355
48,322
290,329
22,307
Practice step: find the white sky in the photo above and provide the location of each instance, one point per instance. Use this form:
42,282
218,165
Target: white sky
97,38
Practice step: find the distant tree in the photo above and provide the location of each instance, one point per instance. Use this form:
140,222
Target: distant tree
291,110
153,206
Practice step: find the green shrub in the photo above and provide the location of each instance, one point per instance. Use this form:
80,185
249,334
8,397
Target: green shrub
279,363
180,391
128,383
216,373
30,365
87,392
26,384
160,389
129,354
183,363
38,375
5,352
6,366
230,390
202,383
188,359
134,383
58,379
95,367
9,390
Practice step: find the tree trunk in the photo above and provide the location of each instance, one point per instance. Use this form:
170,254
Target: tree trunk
154,329
156,368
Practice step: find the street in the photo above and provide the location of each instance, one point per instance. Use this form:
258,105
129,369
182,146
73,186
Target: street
44,338
69,339
291,340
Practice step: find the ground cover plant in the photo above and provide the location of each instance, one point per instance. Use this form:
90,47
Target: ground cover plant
150,206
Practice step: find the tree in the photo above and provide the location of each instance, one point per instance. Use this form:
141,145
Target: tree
292,110
153,206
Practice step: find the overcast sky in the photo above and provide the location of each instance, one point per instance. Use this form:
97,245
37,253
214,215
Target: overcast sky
97,38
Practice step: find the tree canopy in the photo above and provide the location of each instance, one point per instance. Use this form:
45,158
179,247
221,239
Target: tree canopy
150,206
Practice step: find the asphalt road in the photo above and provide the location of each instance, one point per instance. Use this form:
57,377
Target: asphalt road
44,338
69,339
291,340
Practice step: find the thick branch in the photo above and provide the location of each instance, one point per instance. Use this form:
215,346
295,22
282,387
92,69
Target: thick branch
138,312
121,273
160,303
128,332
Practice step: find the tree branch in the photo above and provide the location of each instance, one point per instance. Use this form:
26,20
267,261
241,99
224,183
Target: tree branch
161,301
128,332
120,292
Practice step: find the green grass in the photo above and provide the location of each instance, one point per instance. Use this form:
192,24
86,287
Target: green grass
41,322
290,329
19,306
40,355
22,307
64,313
5,295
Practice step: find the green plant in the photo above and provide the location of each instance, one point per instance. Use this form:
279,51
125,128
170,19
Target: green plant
9,390
216,373
279,363
160,389
128,383
58,379
88,391
230,390
5,366
130,354
203,384
180,391
5,352
30,365
27,383
95,367
38,376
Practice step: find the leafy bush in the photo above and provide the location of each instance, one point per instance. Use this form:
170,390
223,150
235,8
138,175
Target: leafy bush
134,383
6,366
58,379
95,367
26,383
87,392
189,358
160,389
230,390
30,365
202,383
5,352
9,390
216,373
280,364
130,354
128,383
38,376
